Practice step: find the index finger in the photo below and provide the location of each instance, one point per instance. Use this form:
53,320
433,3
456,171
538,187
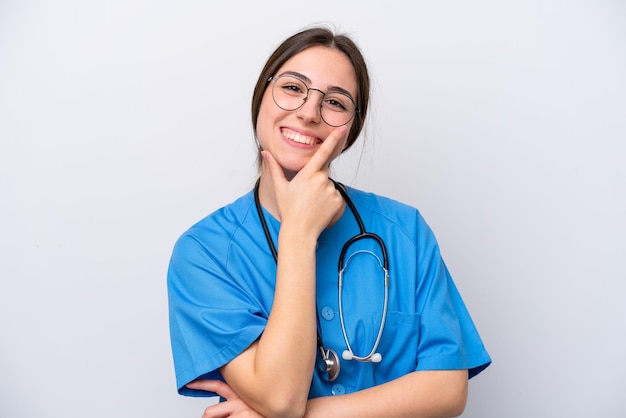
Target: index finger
323,153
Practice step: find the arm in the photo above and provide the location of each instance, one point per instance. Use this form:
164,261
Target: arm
423,394
432,394
273,375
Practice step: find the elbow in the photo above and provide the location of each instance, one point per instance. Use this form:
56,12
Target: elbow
451,408
457,399
450,393
457,407
285,407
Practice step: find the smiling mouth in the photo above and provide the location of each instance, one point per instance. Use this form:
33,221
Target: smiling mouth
299,138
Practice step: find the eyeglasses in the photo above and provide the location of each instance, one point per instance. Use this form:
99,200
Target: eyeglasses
290,93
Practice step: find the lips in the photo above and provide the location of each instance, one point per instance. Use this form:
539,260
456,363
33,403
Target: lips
299,138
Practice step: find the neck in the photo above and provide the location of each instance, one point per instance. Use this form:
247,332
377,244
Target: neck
267,196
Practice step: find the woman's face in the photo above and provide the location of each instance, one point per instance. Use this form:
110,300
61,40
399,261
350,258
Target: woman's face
292,137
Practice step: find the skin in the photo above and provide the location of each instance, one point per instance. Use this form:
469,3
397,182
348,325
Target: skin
295,189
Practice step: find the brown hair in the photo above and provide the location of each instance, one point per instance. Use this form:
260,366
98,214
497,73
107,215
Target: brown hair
318,36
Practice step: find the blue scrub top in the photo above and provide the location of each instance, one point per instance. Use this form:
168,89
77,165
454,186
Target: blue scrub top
221,283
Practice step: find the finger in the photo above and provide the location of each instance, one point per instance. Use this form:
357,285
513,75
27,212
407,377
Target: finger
216,386
230,409
276,171
219,410
323,153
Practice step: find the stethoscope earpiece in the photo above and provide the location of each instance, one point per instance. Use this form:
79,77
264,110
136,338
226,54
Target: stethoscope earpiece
376,358
349,355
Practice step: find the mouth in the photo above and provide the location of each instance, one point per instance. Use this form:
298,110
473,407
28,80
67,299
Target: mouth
299,138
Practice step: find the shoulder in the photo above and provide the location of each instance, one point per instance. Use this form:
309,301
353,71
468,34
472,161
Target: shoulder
383,212
220,226
375,204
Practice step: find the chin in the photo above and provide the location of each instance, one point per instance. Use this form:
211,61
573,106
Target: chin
290,173
291,168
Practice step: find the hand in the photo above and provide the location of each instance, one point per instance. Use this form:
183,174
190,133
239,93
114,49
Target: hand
309,201
233,407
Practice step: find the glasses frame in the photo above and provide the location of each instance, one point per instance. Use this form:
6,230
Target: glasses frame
308,90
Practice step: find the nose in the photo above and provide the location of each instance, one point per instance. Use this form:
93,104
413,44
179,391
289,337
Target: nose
311,109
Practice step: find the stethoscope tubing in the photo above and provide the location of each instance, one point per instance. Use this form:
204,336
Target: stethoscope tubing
383,318
332,365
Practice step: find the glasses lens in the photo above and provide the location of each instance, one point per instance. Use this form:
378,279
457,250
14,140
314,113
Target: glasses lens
290,93
337,109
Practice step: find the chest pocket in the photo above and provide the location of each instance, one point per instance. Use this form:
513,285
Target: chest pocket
399,343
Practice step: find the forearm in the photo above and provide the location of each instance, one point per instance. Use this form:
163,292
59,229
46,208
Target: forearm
287,348
427,394
274,377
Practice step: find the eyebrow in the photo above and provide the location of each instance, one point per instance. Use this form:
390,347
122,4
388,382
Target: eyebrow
307,81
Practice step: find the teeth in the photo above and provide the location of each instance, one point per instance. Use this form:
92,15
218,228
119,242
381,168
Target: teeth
296,137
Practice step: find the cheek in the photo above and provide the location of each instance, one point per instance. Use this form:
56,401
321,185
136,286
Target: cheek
345,142
263,121
338,150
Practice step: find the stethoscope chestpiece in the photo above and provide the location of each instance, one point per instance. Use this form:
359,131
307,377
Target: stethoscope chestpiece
330,364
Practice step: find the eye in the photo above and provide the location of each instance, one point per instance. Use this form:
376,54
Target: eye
292,86
337,102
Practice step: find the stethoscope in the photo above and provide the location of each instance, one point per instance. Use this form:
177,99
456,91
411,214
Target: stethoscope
331,365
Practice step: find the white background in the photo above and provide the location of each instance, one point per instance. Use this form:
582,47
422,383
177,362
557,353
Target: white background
123,122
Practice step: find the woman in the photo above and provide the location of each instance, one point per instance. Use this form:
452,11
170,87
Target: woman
256,312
